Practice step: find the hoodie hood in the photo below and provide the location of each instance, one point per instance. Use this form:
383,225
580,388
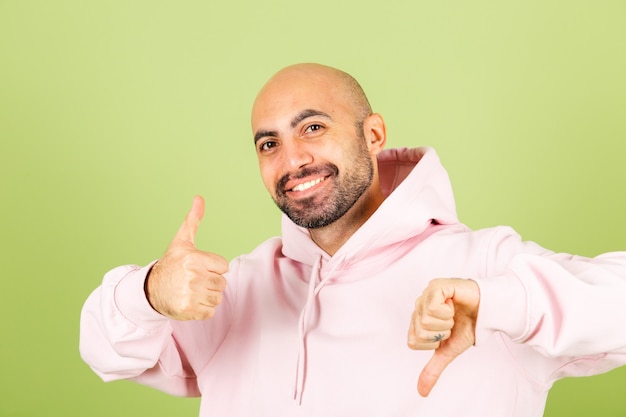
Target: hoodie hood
417,194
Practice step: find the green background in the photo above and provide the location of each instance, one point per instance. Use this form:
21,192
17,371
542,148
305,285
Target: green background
113,114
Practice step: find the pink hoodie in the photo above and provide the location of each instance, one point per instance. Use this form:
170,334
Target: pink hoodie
301,333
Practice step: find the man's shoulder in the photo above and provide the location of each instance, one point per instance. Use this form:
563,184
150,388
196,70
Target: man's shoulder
267,250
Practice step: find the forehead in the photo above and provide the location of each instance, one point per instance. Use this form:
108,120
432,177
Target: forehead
282,98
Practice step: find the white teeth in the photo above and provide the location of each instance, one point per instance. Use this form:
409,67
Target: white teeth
307,185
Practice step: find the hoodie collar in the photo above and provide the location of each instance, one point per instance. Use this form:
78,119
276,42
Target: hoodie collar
417,194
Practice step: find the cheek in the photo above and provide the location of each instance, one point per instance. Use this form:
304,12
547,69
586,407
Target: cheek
268,177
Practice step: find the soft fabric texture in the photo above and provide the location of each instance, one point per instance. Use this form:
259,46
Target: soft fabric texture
301,333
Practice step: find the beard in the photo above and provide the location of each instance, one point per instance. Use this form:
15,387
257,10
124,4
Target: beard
317,211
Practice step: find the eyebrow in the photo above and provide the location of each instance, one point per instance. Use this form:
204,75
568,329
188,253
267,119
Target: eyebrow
304,114
264,133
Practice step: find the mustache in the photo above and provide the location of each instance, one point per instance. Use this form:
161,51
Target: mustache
323,169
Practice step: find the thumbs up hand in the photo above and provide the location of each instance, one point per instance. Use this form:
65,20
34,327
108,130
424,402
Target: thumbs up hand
186,283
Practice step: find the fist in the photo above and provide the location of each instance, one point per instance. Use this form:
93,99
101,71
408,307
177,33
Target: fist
444,320
186,283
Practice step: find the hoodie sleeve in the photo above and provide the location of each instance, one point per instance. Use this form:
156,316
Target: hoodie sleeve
123,337
563,306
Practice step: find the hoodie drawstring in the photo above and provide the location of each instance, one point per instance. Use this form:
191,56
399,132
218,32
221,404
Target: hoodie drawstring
305,315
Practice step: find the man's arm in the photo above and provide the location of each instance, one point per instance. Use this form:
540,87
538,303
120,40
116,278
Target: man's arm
561,305
129,324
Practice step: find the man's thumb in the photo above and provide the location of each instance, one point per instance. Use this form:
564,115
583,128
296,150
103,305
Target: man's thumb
189,228
431,372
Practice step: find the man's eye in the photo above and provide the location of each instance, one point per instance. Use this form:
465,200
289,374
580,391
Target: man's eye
266,146
313,128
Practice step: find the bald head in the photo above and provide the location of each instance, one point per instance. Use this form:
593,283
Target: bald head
317,143
297,82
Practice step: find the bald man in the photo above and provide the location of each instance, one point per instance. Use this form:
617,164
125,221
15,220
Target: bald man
372,257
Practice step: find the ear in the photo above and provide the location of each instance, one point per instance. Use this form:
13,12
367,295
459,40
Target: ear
375,133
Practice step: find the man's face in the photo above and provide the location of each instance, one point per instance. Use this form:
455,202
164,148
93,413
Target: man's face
314,159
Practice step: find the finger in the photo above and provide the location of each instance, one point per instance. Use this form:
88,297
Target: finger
212,299
437,305
426,330
201,262
189,228
204,312
431,372
209,282
427,340
217,263
432,324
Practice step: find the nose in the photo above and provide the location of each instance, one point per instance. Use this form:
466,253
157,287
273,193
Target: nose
296,155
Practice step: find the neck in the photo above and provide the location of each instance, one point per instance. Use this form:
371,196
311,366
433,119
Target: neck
332,237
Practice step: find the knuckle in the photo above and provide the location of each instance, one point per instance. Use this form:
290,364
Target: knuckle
218,299
218,282
218,263
214,299
421,334
437,282
426,322
209,313
434,311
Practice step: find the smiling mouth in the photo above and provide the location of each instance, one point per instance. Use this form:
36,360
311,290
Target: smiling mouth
307,178
306,185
